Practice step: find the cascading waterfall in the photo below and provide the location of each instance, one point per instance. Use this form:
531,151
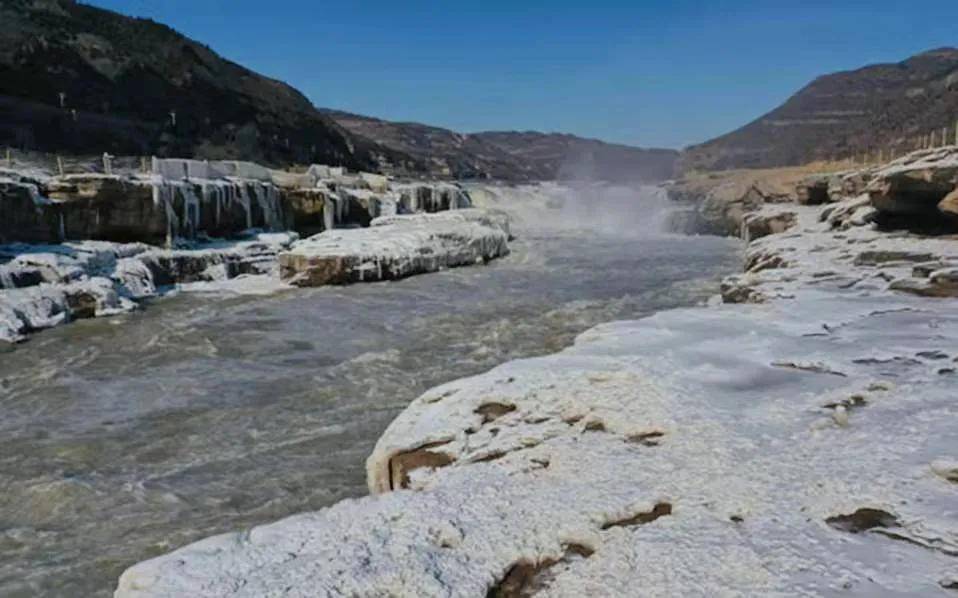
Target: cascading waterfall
243,195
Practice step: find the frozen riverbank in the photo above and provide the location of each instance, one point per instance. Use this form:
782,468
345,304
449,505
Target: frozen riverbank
793,440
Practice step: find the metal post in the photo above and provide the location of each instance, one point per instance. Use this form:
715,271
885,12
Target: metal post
107,166
60,165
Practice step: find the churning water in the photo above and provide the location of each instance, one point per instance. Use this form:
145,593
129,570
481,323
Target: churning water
125,438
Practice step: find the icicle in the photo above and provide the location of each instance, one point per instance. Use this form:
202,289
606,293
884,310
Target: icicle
191,210
163,196
329,212
243,195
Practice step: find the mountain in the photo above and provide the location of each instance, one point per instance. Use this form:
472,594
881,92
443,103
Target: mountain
561,156
513,155
79,79
883,107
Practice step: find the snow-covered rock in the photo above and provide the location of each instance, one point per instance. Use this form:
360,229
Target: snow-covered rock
399,247
42,286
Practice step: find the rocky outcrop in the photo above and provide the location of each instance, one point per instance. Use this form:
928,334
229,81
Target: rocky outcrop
718,202
918,189
190,198
400,247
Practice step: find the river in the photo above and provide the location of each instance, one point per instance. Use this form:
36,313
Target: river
123,438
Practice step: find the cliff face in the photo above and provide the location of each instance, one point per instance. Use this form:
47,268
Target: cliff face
513,155
78,79
880,107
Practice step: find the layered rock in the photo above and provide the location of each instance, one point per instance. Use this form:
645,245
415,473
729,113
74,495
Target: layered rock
399,247
918,192
191,198
918,188
718,202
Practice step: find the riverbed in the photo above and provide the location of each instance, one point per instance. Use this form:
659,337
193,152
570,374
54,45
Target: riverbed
123,438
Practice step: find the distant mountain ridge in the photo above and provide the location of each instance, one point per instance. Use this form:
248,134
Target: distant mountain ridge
874,108
514,155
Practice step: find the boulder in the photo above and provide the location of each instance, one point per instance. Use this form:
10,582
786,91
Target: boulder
762,224
949,205
813,190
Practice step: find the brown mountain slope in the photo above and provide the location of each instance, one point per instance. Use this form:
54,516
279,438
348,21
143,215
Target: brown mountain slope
513,155
880,107
121,80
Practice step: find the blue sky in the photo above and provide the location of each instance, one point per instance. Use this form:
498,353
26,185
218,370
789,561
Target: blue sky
664,73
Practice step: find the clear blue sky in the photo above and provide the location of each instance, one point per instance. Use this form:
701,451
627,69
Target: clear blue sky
664,73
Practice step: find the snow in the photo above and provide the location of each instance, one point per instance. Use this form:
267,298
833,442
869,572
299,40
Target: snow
803,445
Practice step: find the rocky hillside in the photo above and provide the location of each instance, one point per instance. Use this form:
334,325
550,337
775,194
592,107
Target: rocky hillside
78,79
513,155
879,107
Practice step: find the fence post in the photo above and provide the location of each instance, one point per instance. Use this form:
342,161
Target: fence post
9,159
107,166
60,165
